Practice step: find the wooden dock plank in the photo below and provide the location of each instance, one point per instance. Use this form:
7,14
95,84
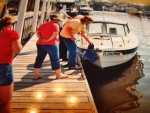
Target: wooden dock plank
31,94
52,111
48,95
45,105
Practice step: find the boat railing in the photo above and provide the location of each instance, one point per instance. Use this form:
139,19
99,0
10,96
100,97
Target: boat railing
106,37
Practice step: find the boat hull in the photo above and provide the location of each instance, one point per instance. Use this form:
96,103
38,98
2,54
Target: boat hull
113,58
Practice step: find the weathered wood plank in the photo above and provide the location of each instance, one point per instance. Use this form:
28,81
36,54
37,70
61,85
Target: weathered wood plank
51,111
50,94
52,85
50,89
46,80
58,106
47,100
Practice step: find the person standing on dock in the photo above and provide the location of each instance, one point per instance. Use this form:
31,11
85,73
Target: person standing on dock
9,45
63,15
48,37
72,27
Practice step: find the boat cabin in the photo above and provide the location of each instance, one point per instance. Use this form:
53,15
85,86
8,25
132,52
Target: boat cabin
108,28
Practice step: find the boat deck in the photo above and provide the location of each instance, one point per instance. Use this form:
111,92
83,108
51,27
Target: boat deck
48,95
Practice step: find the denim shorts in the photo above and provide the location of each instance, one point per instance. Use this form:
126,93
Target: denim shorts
6,74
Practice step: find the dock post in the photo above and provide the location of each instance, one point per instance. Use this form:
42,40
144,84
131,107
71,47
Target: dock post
35,16
43,12
21,17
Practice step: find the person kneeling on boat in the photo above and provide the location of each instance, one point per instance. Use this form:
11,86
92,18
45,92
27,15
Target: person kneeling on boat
72,27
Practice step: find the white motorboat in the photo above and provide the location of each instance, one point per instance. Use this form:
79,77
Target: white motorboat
84,9
114,42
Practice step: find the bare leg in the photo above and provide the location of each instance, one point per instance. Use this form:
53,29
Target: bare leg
60,75
37,74
5,98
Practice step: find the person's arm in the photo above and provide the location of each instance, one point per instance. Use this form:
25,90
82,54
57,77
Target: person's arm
69,17
66,15
16,42
54,35
85,37
16,46
38,34
40,37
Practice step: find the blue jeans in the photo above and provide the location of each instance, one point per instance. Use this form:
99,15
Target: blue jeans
72,49
52,51
6,74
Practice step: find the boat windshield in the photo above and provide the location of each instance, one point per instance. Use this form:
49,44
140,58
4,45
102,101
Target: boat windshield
108,28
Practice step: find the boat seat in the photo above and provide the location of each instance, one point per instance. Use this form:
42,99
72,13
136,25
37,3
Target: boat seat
113,31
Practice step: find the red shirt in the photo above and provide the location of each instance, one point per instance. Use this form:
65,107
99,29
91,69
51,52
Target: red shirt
6,39
46,31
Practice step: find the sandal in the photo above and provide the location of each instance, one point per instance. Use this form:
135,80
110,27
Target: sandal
62,76
75,68
39,77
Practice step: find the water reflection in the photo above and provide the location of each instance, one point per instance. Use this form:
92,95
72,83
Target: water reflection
114,89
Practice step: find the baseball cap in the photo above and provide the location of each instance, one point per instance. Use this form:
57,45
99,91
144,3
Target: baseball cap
59,6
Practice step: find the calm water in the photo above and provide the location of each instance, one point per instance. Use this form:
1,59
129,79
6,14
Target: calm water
126,88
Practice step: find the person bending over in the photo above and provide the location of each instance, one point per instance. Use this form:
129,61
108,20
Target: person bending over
72,27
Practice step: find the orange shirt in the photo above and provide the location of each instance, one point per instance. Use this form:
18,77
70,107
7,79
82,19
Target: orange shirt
76,26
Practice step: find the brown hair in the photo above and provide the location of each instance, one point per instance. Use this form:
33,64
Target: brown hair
53,16
86,19
6,20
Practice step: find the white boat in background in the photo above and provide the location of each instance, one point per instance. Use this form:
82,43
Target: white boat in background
84,9
114,43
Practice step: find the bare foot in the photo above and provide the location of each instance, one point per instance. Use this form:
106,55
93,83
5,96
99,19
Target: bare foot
37,77
61,76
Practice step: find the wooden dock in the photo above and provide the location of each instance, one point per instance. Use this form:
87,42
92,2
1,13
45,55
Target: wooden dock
48,95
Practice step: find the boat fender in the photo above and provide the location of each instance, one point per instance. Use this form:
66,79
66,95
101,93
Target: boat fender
90,54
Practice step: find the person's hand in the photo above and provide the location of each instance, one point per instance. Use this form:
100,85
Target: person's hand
69,17
44,40
91,43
